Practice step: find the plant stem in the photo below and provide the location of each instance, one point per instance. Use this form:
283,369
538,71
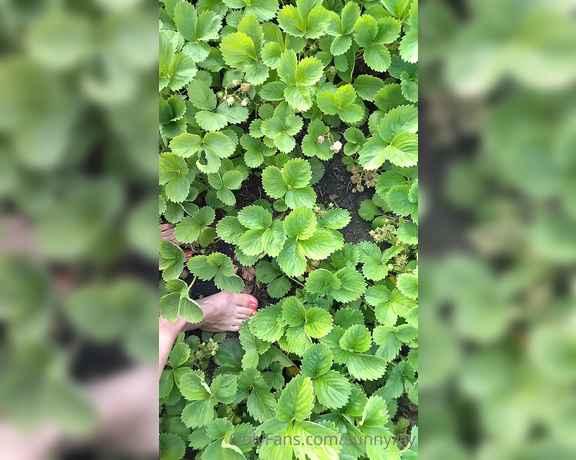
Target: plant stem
296,281
192,283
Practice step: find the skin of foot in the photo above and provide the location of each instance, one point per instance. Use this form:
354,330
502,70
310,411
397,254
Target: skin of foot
223,312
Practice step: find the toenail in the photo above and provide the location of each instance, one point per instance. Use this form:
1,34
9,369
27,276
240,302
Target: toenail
253,306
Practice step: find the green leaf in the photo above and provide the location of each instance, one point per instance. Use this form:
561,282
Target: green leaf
300,223
185,145
182,70
230,229
219,144
298,97
235,113
179,354
373,154
408,233
308,19
352,285
356,338
388,30
171,446
273,182
270,273
296,173
238,50
211,121
287,67
375,412
317,360
224,387
388,180
197,51
408,285
320,245
340,45
308,72
318,322
171,167
311,146
366,367
253,347
282,131
341,103
349,16
201,96
251,242
190,310
368,86
177,189
171,260
261,403
389,97
170,307
293,312
291,183
219,267
273,91
255,218
398,8
265,323
264,10
192,27
232,283
403,149
193,387
403,118
189,228
409,87
232,179
332,389
322,282
377,57
296,401
368,210
398,200
291,259
365,30
273,239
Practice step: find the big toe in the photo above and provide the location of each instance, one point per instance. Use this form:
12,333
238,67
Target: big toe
246,301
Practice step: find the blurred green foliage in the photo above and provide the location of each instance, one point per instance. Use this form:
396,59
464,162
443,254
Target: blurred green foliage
498,323
78,223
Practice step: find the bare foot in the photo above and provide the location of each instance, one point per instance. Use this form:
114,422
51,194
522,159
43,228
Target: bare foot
224,312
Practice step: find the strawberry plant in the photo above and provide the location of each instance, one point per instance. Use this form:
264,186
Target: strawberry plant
260,103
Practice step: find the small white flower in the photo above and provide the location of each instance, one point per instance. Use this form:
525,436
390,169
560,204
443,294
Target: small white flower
336,146
320,139
236,82
244,102
230,100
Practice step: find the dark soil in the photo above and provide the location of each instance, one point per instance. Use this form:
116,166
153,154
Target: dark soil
408,409
335,187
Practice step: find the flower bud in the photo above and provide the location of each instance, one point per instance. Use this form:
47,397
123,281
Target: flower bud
236,82
244,102
320,139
